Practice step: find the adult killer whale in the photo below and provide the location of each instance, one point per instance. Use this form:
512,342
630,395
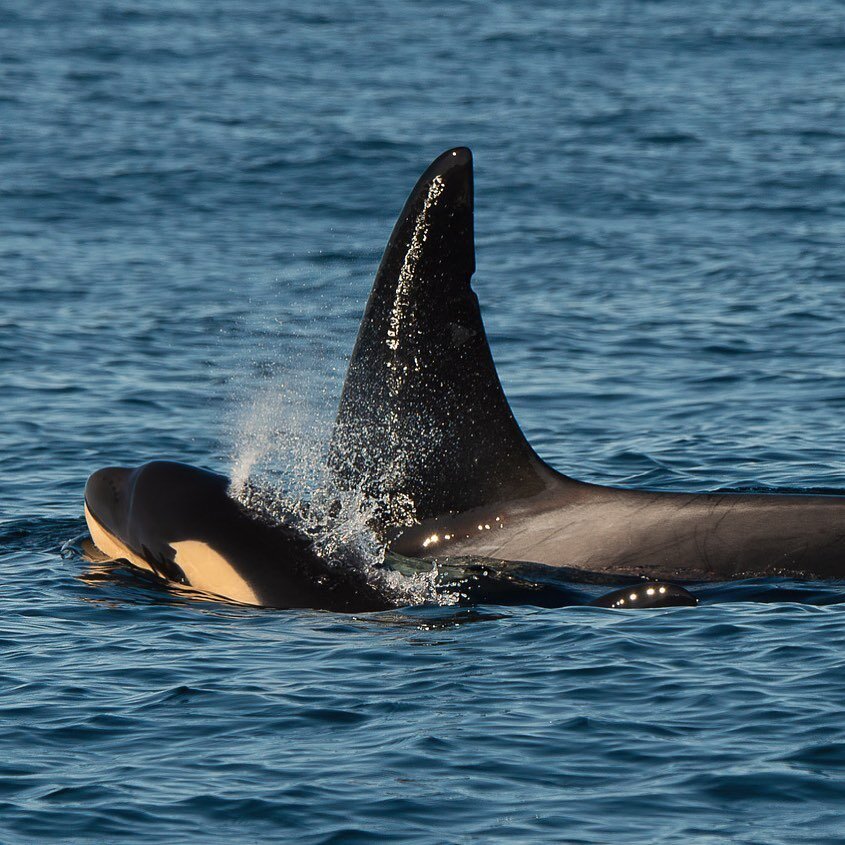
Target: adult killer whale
425,435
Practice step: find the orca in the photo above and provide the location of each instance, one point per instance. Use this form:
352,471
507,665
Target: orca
423,420
179,524
425,437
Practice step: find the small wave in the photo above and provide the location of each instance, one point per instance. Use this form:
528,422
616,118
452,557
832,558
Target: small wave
43,534
670,138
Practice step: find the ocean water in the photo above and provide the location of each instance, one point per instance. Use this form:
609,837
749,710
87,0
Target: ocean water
193,200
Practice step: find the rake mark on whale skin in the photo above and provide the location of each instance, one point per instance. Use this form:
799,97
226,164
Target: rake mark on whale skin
407,274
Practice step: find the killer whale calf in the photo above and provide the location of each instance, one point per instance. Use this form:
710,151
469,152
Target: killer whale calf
425,434
179,524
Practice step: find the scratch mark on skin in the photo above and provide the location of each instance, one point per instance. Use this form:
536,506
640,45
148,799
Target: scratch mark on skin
407,274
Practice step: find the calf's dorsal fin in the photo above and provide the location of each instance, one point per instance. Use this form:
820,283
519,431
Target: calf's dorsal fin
424,427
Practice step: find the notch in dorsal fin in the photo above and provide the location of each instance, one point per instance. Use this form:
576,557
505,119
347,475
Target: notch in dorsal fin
424,426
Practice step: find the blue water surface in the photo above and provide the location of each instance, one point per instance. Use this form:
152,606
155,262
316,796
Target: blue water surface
193,199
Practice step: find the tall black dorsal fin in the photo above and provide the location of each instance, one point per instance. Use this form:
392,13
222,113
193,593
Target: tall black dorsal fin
424,426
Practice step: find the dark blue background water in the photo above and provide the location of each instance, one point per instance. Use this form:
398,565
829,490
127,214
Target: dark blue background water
194,196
